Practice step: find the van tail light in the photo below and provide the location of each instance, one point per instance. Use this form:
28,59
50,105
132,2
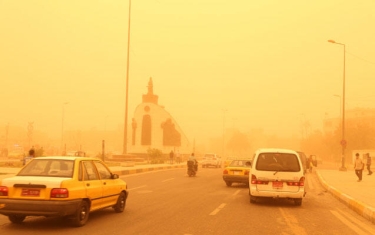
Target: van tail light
300,183
254,180
4,191
59,193
225,172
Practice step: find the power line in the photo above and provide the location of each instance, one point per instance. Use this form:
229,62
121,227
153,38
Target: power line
360,58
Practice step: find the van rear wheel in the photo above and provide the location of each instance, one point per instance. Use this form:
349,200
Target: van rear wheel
253,199
298,201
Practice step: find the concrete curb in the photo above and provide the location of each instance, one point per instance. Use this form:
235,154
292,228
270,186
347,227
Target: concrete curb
361,208
146,169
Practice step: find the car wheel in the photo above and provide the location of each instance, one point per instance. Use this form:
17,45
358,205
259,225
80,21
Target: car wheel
253,199
82,214
298,201
228,183
16,219
121,202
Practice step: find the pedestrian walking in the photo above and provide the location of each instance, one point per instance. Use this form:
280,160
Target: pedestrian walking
171,155
358,167
311,163
29,157
368,163
178,157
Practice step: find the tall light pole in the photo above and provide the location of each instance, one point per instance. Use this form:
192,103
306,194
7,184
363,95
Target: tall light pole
125,148
343,141
223,151
339,96
62,124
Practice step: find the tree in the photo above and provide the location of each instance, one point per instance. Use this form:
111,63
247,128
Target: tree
155,155
238,142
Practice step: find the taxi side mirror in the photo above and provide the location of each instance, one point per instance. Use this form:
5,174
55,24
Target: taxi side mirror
115,176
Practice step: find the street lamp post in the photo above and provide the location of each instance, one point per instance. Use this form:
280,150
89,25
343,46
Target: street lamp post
125,147
62,124
343,141
339,96
223,151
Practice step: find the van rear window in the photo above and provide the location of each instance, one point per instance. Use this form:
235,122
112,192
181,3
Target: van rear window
278,162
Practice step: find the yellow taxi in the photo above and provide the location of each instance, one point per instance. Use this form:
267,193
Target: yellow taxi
66,186
237,172
229,159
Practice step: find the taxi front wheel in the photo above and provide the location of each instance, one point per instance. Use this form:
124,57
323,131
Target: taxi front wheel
16,219
82,214
121,202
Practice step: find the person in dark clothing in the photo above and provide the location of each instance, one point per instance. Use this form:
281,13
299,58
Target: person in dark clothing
171,156
368,163
358,167
29,157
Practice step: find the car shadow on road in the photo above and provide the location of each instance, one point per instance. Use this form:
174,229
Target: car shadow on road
275,202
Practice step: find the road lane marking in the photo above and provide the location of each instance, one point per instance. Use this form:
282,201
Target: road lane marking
137,187
235,193
167,180
292,223
357,223
218,209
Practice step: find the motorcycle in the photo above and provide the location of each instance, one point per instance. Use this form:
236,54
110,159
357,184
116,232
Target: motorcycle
192,168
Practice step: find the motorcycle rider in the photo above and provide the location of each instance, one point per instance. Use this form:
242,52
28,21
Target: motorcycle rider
192,162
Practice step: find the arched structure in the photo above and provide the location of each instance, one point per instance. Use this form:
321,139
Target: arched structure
154,127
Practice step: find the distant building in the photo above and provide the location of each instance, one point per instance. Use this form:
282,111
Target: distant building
153,127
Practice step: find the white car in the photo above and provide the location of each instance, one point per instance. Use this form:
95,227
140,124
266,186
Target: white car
277,173
211,159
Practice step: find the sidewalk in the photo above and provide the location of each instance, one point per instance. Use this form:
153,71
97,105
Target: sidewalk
359,196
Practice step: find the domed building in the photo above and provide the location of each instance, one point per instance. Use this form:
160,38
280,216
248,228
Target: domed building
154,127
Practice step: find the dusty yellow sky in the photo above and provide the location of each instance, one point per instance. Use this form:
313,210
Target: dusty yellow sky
268,63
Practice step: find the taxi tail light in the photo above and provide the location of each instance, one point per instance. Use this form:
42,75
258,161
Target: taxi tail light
59,193
225,172
247,172
4,191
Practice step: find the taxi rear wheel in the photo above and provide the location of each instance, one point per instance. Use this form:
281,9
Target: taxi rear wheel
228,183
82,214
121,202
17,219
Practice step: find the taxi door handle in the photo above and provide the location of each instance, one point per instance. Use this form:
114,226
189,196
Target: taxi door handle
88,184
105,183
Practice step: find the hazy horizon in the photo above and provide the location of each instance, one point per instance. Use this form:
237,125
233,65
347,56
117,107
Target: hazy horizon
268,63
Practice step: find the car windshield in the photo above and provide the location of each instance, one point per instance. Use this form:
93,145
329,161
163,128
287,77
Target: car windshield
48,167
209,156
240,163
278,162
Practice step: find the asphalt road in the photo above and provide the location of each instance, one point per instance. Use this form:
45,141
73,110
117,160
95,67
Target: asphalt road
170,202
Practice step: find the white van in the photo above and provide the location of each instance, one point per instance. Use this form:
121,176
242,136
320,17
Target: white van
277,173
